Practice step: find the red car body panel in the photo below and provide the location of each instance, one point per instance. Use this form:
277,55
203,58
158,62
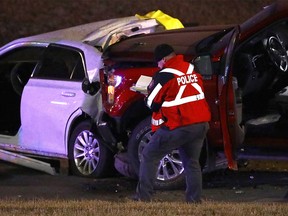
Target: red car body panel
124,97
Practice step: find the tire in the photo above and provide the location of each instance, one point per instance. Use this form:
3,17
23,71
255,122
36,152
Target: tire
95,160
140,137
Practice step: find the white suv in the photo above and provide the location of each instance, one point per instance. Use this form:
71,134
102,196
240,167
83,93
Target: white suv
44,112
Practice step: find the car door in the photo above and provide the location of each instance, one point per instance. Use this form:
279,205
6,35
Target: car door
230,104
50,98
17,63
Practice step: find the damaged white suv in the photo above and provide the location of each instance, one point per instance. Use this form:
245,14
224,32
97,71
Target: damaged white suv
44,112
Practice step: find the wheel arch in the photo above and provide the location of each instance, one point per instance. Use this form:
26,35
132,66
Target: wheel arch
132,116
77,117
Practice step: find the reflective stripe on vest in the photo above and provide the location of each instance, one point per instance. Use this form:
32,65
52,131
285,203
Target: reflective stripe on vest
153,94
179,99
157,122
177,72
183,100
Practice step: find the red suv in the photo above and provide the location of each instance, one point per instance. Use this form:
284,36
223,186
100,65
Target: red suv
245,71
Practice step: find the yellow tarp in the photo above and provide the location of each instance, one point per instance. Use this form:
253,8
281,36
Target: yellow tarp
167,21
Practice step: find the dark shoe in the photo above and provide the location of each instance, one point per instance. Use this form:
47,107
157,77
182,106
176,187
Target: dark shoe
135,198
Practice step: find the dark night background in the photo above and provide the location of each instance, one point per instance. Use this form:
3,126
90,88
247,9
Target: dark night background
19,18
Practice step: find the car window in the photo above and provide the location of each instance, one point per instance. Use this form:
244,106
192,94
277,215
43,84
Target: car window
19,55
204,65
61,63
27,57
22,54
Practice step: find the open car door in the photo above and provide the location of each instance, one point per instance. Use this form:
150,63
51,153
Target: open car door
230,104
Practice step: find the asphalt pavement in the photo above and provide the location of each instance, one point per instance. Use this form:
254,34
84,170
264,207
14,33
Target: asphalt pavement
257,182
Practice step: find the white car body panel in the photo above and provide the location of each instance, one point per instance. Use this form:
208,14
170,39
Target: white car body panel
43,125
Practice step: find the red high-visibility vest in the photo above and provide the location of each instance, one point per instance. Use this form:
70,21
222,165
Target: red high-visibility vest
177,94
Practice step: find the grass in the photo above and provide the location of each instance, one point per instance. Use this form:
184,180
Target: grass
126,207
109,197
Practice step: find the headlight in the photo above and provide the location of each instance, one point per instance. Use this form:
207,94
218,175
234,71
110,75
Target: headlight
113,82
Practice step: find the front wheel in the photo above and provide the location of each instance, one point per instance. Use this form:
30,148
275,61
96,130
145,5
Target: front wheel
170,173
88,156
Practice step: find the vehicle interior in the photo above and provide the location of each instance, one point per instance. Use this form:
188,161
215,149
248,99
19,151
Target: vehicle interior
16,68
13,78
261,69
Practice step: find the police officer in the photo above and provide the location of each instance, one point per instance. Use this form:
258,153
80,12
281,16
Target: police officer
182,114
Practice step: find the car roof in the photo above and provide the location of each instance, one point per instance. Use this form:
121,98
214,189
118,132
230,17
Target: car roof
97,34
271,13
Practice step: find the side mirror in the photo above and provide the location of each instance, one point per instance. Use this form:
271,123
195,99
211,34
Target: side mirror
90,88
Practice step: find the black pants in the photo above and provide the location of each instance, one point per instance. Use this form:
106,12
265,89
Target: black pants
189,141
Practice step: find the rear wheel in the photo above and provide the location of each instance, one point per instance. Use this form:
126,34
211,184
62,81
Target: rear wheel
170,170
88,156
170,173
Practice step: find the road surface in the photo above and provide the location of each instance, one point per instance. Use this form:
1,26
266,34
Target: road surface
269,183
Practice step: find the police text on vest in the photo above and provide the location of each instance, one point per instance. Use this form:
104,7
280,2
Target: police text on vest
191,78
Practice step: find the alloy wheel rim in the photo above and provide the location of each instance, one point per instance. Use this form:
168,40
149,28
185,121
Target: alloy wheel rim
170,166
86,152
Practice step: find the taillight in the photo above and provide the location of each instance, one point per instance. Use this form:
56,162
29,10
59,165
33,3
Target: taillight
113,81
